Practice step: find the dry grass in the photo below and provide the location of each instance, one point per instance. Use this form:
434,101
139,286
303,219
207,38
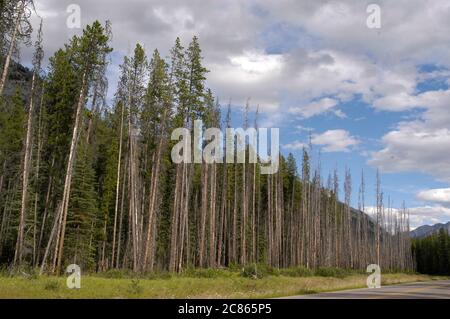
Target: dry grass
183,287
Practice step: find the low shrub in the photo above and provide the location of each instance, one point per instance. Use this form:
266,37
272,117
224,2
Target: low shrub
297,272
51,285
158,275
206,273
116,274
332,272
135,287
257,271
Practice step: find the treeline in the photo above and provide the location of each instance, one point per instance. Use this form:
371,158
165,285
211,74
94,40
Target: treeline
92,184
432,253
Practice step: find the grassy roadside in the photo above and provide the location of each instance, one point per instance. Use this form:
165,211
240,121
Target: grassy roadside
231,286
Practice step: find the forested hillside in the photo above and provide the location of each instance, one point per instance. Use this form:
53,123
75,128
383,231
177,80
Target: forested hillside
89,182
427,230
432,253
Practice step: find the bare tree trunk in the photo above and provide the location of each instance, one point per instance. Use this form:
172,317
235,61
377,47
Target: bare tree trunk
25,175
184,232
122,204
116,206
133,202
212,220
93,114
68,179
203,214
243,251
150,245
222,235
50,240
235,208
378,219
2,176
11,47
46,208
254,256
176,216
36,194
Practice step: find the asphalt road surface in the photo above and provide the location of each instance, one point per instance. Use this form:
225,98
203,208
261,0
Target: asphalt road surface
420,290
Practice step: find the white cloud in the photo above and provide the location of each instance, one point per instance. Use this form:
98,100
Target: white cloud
345,59
438,195
339,60
295,146
428,215
258,63
249,74
330,141
315,108
420,215
340,114
335,141
408,149
301,128
411,29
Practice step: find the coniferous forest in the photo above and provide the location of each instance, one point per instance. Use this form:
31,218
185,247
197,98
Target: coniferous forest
432,253
88,181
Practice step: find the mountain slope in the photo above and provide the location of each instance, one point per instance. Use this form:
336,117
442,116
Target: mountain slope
427,230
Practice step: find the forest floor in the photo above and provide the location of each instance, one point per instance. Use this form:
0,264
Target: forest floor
222,287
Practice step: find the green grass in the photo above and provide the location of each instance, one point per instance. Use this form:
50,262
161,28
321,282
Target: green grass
192,284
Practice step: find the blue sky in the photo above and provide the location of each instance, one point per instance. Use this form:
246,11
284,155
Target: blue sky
370,98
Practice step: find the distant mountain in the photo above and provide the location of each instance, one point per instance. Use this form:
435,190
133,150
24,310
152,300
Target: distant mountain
19,76
427,230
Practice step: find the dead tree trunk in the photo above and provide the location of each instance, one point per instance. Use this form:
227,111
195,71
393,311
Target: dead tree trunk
68,180
116,205
12,44
25,175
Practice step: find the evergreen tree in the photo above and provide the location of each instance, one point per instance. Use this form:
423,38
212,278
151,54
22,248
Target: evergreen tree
12,123
88,51
197,76
83,214
107,194
432,253
16,27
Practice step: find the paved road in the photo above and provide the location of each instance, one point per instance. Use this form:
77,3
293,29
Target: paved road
419,290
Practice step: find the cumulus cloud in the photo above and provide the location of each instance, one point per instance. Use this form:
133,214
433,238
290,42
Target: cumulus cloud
332,58
348,60
295,146
335,141
428,215
438,195
330,141
315,108
420,215
411,29
420,145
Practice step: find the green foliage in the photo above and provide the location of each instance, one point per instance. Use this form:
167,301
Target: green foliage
207,273
52,285
258,271
332,272
432,254
89,49
61,91
296,272
197,76
83,210
136,204
158,275
157,108
135,287
12,121
116,274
